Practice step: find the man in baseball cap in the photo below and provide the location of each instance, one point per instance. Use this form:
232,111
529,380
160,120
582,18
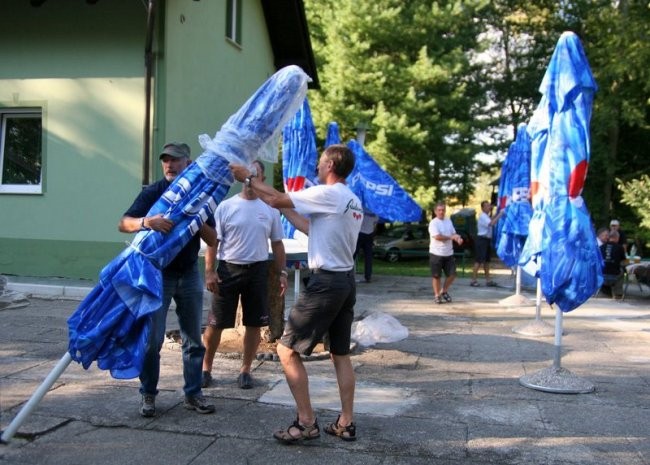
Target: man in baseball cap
176,150
181,281
614,225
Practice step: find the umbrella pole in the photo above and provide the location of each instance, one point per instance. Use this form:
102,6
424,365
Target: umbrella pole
558,338
518,281
516,299
36,397
556,379
537,327
538,301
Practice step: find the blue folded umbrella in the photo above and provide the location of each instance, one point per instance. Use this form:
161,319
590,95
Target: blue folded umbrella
111,325
561,243
515,174
299,156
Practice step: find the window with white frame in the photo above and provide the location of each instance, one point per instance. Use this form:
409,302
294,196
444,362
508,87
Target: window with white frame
21,134
233,21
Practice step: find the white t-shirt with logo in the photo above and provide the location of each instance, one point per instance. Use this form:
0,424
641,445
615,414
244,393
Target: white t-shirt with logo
443,227
335,215
244,228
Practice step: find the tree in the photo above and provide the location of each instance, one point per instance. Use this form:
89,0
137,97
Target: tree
403,69
440,82
636,194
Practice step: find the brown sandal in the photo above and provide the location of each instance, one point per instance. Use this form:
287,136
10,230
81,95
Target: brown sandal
347,433
306,432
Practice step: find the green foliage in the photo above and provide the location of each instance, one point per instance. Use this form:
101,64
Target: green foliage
403,69
636,194
438,83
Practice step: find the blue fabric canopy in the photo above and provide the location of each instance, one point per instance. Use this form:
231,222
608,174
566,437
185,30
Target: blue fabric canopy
515,175
561,242
378,191
299,157
111,325
333,136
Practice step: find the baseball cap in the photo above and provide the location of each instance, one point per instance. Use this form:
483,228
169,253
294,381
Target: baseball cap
176,150
614,223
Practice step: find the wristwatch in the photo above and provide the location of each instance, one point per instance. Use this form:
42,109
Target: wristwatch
247,181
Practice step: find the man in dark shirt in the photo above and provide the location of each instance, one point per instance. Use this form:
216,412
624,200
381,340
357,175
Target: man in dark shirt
613,256
614,225
181,281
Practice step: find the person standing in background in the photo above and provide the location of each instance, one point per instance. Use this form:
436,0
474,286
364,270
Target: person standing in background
483,246
365,242
441,252
244,225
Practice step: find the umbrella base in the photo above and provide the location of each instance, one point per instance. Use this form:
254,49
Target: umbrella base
558,381
516,300
535,328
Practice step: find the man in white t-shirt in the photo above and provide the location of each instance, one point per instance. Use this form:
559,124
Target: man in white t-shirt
483,245
244,226
441,252
333,216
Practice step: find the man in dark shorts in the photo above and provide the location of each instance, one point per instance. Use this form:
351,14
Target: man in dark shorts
483,245
244,227
333,216
441,252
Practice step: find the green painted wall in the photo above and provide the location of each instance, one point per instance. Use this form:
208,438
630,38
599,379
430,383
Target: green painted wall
206,77
83,64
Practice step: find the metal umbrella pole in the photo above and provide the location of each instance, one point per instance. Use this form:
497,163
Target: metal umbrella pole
556,379
517,299
537,327
38,395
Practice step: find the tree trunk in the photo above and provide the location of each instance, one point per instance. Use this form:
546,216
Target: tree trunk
276,305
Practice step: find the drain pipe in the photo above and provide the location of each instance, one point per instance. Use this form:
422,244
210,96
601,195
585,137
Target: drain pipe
148,65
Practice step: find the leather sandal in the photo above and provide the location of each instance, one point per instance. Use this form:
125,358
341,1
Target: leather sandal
300,432
347,433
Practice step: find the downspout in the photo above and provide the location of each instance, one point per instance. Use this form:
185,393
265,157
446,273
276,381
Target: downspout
148,65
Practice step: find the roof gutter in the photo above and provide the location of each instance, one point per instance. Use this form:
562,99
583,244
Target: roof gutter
148,73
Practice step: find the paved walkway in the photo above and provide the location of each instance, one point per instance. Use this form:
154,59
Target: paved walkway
447,394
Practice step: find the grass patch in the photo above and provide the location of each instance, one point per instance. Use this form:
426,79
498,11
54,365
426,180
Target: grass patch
415,266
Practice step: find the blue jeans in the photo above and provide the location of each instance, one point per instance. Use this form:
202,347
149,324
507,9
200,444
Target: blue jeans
187,291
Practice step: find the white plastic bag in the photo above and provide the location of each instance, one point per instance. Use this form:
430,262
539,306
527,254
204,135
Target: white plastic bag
378,327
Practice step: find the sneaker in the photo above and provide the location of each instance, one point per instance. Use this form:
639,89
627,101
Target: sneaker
206,379
148,405
474,284
437,299
199,404
446,296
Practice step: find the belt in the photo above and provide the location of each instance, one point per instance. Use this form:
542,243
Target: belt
321,270
245,265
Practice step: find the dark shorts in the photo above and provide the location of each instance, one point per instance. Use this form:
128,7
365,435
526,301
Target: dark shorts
439,264
250,282
325,306
482,249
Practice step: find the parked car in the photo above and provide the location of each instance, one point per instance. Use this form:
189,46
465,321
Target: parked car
402,241
409,241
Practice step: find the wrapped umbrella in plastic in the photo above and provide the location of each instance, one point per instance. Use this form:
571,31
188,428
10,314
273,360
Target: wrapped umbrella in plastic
111,324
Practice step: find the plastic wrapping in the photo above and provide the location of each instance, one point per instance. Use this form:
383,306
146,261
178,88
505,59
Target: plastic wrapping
378,328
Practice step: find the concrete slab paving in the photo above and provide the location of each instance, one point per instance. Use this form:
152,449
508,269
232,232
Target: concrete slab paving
447,394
